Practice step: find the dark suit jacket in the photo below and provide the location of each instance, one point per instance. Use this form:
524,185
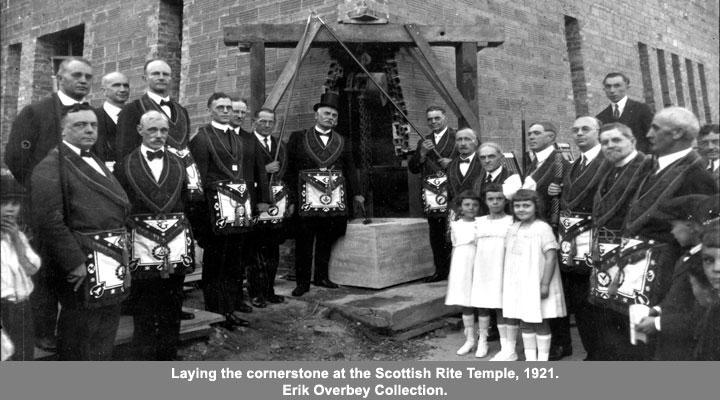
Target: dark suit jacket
264,157
128,138
579,187
637,116
446,148
107,135
301,158
458,183
479,187
35,131
544,176
92,203
168,195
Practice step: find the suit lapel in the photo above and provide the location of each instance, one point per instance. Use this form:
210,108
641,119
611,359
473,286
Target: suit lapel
106,185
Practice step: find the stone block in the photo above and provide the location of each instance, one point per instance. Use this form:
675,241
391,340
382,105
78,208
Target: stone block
387,252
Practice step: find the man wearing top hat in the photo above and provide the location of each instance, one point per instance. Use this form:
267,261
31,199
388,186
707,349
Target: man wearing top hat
320,176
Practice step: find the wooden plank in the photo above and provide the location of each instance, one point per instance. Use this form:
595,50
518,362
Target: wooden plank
466,75
292,65
440,78
288,35
257,76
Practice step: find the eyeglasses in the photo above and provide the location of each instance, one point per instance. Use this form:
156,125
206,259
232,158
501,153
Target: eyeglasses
583,129
536,132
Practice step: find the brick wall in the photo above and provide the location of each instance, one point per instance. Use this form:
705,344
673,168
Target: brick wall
531,69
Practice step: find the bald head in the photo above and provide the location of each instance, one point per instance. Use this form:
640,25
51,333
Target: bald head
116,88
466,141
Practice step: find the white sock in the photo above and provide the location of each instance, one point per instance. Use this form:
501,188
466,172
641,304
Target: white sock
512,331
502,330
543,347
483,326
530,345
470,334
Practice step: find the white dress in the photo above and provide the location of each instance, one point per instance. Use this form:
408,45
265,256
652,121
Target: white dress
487,277
462,234
525,248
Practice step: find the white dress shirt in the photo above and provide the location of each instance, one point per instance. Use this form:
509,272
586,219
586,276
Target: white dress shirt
664,161
112,110
156,165
543,155
67,100
91,161
466,165
620,105
267,144
157,99
325,139
223,127
438,136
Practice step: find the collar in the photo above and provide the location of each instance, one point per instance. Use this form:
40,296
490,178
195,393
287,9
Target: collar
592,153
495,173
72,146
543,155
111,109
621,104
323,131
625,161
156,97
222,127
67,100
469,158
668,159
715,164
696,249
440,134
260,137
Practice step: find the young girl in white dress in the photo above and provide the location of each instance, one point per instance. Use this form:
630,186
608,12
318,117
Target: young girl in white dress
460,278
532,290
487,276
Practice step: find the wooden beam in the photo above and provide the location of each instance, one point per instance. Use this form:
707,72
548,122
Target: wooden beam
288,35
466,75
257,76
442,82
292,65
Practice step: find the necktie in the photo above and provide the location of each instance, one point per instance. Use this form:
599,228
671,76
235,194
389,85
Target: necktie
76,107
533,166
616,111
151,155
85,153
583,162
267,144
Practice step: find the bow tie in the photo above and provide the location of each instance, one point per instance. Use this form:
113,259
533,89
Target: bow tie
165,103
230,131
151,155
326,134
85,153
76,107
464,161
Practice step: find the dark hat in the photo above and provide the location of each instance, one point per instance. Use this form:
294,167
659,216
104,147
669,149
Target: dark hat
328,99
697,208
10,188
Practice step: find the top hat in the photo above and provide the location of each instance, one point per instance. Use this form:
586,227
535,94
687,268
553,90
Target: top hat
328,99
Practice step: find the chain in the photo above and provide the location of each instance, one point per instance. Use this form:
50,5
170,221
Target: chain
400,127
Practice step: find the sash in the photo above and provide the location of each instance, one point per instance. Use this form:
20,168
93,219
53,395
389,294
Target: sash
435,194
322,193
629,274
194,183
575,234
107,281
276,211
162,244
230,207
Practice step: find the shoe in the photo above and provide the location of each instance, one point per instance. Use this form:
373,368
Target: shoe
436,277
559,352
186,315
243,307
504,356
300,290
233,319
327,283
258,302
275,299
48,344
